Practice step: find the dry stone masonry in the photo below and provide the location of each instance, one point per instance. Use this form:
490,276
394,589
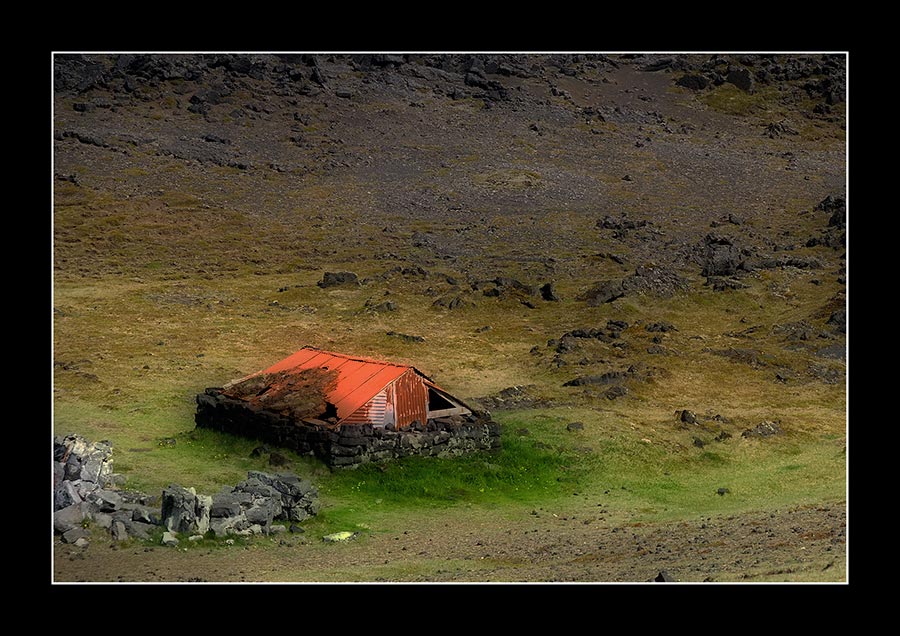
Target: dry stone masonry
86,490
352,444
86,495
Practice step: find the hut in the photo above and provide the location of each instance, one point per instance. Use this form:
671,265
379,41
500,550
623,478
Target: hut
347,410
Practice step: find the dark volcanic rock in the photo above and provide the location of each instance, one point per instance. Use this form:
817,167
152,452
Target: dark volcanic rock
838,320
603,292
763,429
616,392
334,279
452,302
721,283
722,257
693,82
740,77
837,208
405,337
548,293
610,377
183,510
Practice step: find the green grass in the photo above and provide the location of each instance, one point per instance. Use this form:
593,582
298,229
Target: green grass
730,99
519,472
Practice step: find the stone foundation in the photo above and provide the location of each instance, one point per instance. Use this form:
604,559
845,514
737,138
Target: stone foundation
351,444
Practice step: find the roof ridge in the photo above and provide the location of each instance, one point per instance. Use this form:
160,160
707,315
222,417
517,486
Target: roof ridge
357,358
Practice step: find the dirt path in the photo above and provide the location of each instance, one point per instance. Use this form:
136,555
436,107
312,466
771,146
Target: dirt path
801,544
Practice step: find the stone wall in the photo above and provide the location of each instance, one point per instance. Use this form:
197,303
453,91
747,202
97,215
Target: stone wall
352,444
86,493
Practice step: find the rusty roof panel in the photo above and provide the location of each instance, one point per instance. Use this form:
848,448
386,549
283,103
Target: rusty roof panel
357,379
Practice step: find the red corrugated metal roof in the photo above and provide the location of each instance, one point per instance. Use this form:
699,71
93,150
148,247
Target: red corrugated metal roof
358,379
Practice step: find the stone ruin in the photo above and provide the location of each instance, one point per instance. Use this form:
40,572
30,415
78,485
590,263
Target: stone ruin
348,445
87,494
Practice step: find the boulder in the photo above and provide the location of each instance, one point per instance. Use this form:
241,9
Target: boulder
140,530
65,495
603,292
262,512
722,257
72,535
838,321
105,500
144,515
548,293
740,77
69,517
334,279
693,82
763,429
223,526
228,505
118,531
183,510
616,391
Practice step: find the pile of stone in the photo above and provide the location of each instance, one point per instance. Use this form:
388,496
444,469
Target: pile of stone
86,495
86,490
251,507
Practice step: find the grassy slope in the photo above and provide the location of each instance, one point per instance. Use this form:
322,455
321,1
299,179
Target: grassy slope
152,306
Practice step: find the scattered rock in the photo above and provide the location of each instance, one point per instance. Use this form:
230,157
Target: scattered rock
335,279
720,283
548,293
68,518
610,377
260,450
169,539
775,130
740,77
406,338
603,292
763,429
575,426
119,531
663,327
722,436
722,491
688,417
71,536
277,459
615,392
722,256
664,577
838,320
693,82
183,510
454,302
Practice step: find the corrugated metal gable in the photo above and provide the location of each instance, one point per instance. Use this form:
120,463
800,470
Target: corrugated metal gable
358,379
